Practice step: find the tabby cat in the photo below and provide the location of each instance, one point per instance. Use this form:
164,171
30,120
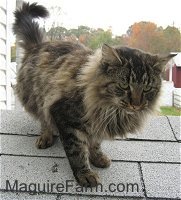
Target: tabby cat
86,96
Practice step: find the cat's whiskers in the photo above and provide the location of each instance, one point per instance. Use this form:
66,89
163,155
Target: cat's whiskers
104,120
105,115
112,116
102,115
96,124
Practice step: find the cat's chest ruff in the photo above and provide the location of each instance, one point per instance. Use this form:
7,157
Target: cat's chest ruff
115,123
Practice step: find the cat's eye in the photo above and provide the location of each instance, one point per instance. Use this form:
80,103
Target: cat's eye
147,88
124,86
119,91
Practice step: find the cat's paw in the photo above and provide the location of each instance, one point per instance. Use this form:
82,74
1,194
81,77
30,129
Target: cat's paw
88,179
101,161
44,141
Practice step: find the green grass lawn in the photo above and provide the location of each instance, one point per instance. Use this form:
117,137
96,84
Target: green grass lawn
170,111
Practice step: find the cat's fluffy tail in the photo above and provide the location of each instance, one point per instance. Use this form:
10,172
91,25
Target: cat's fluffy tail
25,28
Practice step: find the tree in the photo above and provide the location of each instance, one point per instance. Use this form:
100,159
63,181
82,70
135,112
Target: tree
81,30
172,39
144,35
99,37
147,36
57,33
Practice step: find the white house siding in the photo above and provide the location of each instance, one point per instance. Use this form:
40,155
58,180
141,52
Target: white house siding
5,85
167,93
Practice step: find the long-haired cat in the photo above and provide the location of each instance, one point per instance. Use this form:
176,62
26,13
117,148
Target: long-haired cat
87,96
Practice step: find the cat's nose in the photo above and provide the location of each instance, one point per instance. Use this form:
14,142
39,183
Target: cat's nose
136,107
136,102
136,98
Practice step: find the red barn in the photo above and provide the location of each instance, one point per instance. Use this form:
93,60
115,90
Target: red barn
174,71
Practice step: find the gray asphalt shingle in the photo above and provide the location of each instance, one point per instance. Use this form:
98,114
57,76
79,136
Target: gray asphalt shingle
18,122
162,180
143,151
24,145
117,150
176,126
156,128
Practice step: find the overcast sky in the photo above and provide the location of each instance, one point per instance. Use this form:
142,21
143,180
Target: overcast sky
117,14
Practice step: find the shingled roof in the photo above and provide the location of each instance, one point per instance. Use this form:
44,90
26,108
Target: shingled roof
146,165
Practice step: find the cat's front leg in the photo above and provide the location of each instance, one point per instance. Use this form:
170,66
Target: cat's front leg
97,157
45,140
76,148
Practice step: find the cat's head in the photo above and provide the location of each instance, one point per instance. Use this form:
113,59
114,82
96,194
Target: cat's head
129,78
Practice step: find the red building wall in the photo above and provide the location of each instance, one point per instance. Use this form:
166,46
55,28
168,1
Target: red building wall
176,76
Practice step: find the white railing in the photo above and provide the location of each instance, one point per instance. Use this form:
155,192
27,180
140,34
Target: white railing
177,97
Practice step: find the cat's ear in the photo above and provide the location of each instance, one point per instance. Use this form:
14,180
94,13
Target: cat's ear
162,61
109,54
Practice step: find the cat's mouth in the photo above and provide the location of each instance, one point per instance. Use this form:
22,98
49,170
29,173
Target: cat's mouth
134,108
